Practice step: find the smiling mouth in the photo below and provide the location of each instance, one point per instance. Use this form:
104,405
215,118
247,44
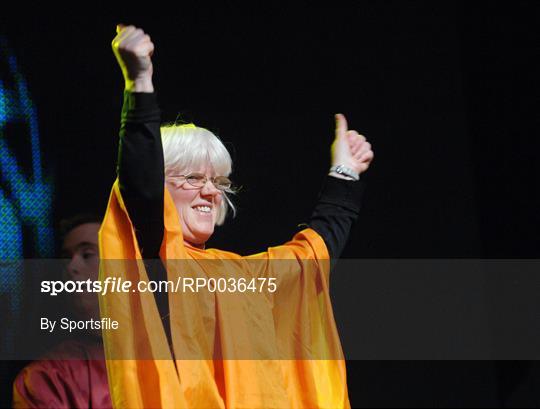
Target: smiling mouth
203,209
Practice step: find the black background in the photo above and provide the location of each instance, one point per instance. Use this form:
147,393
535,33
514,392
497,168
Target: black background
446,92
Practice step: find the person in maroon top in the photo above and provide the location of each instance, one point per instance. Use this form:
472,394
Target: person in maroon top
73,374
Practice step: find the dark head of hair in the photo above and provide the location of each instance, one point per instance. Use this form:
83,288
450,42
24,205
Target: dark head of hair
68,224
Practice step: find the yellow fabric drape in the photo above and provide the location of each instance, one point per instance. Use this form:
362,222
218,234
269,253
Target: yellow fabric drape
294,322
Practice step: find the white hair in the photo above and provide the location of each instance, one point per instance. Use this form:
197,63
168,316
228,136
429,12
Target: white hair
187,148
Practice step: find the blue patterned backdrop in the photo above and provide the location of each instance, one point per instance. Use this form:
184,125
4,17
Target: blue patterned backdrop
25,192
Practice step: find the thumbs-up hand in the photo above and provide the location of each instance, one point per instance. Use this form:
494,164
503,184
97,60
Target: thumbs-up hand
133,50
349,148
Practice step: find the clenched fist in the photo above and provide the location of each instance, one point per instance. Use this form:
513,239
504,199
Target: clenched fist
350,149
133,50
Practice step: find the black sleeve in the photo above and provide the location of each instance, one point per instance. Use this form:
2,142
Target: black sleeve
141,176
337,209
140,169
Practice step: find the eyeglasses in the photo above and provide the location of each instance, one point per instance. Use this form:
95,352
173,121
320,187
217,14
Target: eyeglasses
222,183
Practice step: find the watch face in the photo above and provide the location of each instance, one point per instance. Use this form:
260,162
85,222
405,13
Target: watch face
342,170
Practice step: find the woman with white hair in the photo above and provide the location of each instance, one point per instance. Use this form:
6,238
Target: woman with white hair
171,193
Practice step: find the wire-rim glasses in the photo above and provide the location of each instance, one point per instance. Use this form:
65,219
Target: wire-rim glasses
198,180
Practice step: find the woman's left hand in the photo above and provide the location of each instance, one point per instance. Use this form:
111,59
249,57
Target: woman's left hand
349,148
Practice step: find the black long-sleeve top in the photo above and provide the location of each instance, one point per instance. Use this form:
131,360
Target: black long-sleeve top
141,176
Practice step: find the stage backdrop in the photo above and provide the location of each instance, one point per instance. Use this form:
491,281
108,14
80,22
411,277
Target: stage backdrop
447,92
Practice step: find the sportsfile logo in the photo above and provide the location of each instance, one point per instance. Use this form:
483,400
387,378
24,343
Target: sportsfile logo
181,284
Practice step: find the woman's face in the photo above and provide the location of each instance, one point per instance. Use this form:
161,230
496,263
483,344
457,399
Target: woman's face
197,206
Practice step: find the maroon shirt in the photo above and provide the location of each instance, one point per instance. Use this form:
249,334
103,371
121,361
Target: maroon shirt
72,375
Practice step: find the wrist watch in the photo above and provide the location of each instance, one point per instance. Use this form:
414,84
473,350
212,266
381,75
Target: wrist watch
345,171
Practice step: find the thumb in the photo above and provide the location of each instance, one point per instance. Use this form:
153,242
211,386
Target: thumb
341,126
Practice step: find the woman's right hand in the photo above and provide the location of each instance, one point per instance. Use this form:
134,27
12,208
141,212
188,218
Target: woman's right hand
133,50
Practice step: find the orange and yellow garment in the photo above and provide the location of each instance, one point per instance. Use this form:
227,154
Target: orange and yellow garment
294,323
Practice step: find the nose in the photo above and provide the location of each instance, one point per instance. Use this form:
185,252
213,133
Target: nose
72,270
209,189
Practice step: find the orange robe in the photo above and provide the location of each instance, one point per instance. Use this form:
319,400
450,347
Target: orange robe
231,350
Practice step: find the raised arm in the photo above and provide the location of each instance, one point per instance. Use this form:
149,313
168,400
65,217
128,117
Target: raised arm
340,198
140,155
